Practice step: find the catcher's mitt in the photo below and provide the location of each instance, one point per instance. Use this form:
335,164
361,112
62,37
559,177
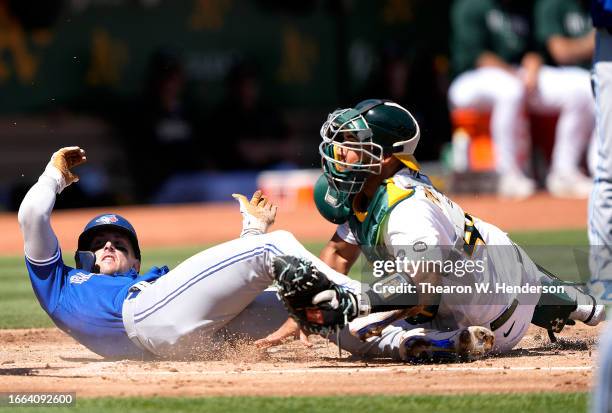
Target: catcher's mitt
318,305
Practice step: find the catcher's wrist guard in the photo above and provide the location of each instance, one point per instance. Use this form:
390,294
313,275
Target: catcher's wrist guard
317,304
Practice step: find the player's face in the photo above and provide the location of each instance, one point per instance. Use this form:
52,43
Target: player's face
114,253
345,154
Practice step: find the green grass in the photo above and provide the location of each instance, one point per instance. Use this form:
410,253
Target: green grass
498,403
551,238
19,308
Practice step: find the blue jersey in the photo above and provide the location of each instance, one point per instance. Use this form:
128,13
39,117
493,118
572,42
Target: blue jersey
87,305
601,11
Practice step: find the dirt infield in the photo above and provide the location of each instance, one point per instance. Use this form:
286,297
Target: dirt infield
164,226
48,360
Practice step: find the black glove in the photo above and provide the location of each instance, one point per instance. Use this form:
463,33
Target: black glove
317,304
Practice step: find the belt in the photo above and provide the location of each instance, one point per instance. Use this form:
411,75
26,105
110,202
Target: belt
127,314
505,316
136,289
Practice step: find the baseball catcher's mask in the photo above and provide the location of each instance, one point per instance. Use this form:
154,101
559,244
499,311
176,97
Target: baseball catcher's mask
112,222
356,141
348,155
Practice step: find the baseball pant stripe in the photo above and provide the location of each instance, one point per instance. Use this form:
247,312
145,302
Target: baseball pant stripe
202,275
180,287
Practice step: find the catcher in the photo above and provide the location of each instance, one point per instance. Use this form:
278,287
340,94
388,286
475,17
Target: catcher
107,305
388,209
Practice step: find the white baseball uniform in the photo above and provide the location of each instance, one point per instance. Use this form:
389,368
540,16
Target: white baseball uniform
420,219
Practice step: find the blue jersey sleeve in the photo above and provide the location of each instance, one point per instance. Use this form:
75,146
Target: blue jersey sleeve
47,278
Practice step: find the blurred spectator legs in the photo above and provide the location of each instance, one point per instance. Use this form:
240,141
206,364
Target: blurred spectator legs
567,91
502,93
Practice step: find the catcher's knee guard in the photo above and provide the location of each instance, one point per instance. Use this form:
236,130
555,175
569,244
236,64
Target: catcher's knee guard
553,309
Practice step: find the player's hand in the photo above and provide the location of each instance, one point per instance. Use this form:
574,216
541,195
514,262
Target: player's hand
257,214
289,329
67,158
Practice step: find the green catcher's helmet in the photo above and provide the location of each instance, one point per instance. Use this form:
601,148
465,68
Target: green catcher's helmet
393,126
373,130
328,202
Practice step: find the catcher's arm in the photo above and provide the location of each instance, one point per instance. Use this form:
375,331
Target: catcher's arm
257,214
339,254
290,328
35,210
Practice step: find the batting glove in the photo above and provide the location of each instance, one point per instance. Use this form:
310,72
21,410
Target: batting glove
257,214
60,166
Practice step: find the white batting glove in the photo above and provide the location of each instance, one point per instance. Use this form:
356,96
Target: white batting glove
61,163
257,214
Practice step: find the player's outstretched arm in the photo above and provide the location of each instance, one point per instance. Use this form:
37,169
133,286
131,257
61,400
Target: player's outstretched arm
35,210
290,328
257,214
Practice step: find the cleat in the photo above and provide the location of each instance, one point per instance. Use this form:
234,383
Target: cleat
475,342
515,185
466,344
570,184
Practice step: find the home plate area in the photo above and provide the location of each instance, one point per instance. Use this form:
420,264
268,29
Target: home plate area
48,360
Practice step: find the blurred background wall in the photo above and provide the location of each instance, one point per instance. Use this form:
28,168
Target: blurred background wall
185,100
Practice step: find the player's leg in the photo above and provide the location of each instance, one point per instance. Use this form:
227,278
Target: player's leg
576,108
551,309
600,203
600,212
502,93
257,319
419,343
602,393
184,308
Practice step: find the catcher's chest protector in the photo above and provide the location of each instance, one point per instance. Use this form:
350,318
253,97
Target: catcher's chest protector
366,226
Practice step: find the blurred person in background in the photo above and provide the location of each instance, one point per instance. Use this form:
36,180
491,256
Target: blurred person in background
565,35
499,69
165,139
251,129
600,203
